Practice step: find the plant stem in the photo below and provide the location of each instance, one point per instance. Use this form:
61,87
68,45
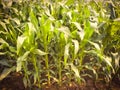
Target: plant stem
81,56
47,66
36,69
60,74
26,75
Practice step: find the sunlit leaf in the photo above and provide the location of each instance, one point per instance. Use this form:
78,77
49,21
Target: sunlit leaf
70,15
65,30
6,72
3,53
101,25
12,49
39,52
19,65
75,70
3,25
20,42
15,9
2,32
16,20
81,34
31,28
88,32
33,19
21,59
35,77
2,41
108,60
92,69
76,44
77,25
66,53
117,19
25,82
7,3
47,12
95,45
116,58
69,2
7,21
93,25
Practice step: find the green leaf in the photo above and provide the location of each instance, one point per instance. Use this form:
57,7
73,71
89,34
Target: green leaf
69,15
108,60
35,77
66,53
3,53
3,25
95,45
88,33
21,59
77,25
116,59
6,72
39,52
117,19
33,19
81,34
76,44
20,42
2,32
92,69
12,49
69,2
3,44
31,28
25,82
75,70
65,30
3,41
16,20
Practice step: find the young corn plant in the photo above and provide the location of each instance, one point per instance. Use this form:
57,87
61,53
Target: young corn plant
46,35
8,36
52,39
28,51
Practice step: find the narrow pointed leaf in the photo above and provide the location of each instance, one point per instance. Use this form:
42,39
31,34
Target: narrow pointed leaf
20,42
33,19
76,44
81,34
77,25
21,59
95,45
3,25
65,30
3,41
66,53
39,52
16,20
75,70
6,72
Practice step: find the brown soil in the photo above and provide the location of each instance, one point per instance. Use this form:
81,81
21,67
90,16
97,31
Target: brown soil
14,82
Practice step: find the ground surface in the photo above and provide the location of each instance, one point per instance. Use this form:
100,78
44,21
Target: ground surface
14,82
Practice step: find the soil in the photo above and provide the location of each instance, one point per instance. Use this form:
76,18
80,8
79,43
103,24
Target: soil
14,82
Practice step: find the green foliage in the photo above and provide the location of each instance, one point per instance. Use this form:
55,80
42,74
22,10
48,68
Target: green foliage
48,40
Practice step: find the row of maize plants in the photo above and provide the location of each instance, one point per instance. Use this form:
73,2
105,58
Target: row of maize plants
59,41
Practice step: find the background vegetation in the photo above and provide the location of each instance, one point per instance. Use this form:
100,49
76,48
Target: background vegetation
60,41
